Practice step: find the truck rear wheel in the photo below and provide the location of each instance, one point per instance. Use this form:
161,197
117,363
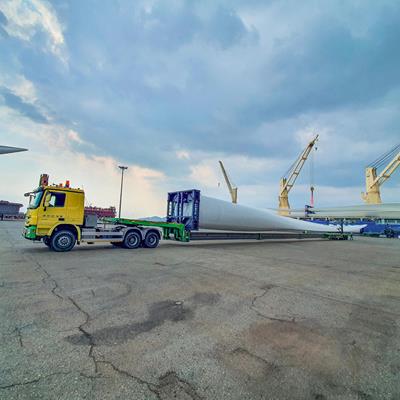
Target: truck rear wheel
62,241
151,240
132,240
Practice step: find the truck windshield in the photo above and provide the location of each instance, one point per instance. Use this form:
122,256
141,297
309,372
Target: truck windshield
35,199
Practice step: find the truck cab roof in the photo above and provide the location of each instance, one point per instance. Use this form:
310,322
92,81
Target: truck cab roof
61,188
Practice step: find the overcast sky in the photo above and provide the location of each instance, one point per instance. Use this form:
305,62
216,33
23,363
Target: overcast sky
170,87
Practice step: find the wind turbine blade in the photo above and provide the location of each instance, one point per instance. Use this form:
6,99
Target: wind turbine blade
8,149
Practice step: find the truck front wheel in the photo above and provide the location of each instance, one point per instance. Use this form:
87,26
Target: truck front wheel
151,240
62,241
132,240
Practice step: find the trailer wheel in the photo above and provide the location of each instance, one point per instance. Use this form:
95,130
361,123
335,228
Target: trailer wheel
62,241
151,240
132,240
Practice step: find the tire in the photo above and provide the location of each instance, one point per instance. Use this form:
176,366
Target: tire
151,240
132,240
62,241
46,241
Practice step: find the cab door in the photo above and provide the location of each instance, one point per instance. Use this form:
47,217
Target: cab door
75,206
53,210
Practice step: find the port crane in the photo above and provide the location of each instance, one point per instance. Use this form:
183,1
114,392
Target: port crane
289,178
233,190
374,180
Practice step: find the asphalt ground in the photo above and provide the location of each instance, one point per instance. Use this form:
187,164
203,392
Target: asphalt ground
206,320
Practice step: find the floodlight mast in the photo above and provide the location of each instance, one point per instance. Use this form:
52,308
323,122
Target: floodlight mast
122,168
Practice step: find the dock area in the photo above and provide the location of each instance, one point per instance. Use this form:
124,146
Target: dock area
298,319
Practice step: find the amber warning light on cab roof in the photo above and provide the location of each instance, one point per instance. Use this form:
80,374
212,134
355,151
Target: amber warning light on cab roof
44,181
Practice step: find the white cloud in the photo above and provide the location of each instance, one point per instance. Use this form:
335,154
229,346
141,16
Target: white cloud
74,136
243,99
53,149
143,193
256,178
183,154
204,174
36,135
100,178
305,135
20,86
57,136
240,168
26,17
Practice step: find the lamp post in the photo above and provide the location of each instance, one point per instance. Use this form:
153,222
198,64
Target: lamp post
122,168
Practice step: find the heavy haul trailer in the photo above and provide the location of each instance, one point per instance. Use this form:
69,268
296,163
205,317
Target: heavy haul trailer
195,211
56,216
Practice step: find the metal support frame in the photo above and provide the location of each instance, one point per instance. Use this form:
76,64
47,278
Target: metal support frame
183,207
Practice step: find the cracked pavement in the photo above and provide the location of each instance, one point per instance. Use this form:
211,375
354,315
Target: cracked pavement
217,320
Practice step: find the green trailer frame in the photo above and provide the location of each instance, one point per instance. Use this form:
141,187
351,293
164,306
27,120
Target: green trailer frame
178,231
338,236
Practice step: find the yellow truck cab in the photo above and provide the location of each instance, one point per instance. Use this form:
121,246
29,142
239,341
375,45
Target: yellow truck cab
54,208
56,215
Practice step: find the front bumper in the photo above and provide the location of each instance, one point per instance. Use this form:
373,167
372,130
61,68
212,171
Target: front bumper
29,232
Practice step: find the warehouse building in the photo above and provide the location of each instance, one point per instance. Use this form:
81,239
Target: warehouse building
8,209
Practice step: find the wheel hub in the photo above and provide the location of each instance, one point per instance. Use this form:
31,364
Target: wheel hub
133,240
152,239
64,241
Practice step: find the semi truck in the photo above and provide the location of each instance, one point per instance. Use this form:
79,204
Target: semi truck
56,216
